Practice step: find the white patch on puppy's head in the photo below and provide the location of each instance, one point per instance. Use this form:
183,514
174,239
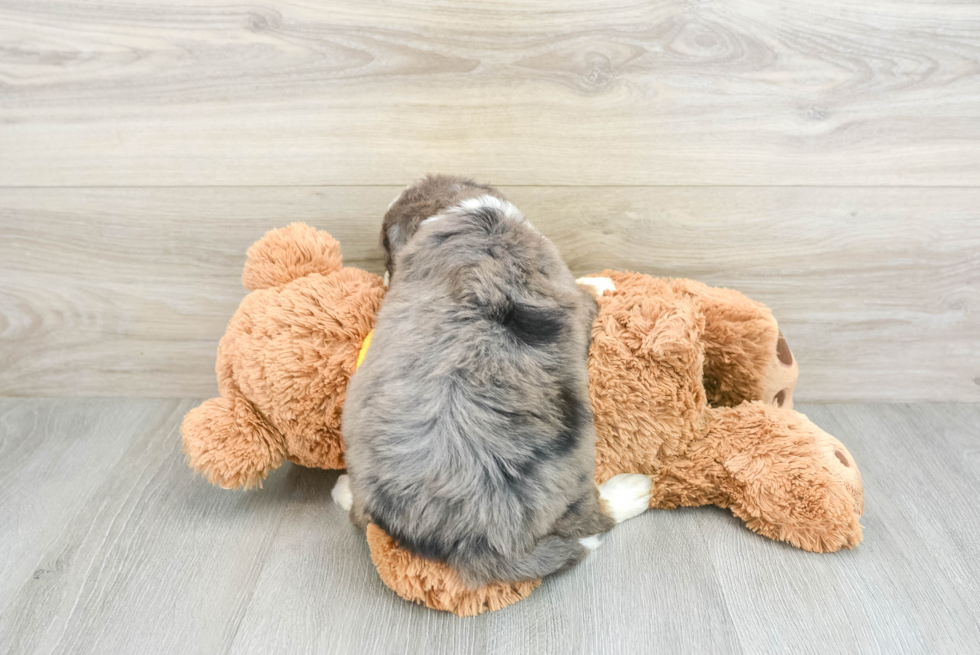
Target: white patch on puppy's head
485,201
493,202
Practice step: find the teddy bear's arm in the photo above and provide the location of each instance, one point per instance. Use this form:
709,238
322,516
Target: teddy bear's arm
230,444
785,477
746,356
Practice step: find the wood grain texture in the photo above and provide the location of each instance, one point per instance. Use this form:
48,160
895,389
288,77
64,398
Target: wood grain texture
290,92
143,562
73,451
109,292
142,556
919,546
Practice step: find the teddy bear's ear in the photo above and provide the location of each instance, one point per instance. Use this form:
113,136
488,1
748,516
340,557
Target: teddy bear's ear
286,254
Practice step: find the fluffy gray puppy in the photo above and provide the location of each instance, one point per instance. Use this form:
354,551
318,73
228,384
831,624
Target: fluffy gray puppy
468,427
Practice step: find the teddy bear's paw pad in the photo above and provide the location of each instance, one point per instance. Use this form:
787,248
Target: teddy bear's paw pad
597,285
783,353
626,495
592,542
341,493
780,377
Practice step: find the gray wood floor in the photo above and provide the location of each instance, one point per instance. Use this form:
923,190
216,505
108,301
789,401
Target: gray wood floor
108,544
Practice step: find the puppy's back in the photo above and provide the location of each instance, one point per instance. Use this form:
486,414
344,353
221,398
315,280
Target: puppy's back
468,427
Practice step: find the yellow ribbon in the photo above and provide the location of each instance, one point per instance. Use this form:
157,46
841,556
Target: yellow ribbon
364,348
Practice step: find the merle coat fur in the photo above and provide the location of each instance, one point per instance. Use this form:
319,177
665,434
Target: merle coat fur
468,427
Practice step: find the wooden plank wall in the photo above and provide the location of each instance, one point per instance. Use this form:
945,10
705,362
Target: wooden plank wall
823,157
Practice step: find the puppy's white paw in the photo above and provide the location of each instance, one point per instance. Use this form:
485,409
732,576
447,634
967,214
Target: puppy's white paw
341,493
626,495
591,543
597,285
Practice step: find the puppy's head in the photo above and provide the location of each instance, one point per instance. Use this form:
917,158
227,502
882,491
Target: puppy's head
428,197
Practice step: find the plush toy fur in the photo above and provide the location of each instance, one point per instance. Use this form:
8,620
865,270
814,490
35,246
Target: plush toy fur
284,362
689,384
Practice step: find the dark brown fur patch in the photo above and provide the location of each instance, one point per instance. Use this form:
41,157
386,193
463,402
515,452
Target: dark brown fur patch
783,352
780,398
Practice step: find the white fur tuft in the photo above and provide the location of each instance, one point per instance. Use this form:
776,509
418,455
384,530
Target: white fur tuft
600,284
493,202
626,495
341,493
592,542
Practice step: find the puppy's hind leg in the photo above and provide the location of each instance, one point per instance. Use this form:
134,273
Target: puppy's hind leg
552,554
619,498
341,492
358,516
625,495
344,496
586,519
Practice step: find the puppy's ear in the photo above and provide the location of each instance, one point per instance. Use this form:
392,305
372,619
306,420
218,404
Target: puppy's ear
392,240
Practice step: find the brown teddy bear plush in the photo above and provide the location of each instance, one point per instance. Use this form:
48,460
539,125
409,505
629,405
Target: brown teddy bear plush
690,385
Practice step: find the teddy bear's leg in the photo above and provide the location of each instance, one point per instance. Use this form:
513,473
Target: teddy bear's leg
785,477
227,441
435,584
746,356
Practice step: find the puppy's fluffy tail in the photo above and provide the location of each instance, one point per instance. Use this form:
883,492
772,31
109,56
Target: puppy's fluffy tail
551,555
286,254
